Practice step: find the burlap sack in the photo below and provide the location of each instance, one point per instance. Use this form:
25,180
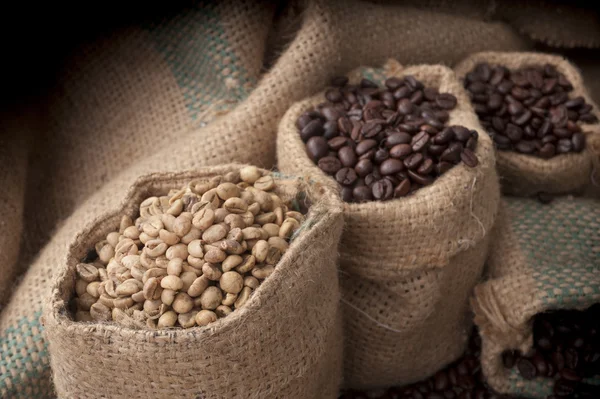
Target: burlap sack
543,257
285,343
13,174
408,265
522,174
112,136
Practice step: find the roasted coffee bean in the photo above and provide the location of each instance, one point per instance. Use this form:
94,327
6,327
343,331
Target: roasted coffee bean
391,166
346,176
445,101
525,104
330,165
364,167
371,135
578,142
381,155
317,148
347,156
526,368
365,146
383,190
469,158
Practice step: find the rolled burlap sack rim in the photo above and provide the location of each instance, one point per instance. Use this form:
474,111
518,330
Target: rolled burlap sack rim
523,174
57,314
454,209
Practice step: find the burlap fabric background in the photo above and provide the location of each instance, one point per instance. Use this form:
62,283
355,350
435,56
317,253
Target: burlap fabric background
522,174
260,351
543,257
136,103
408,265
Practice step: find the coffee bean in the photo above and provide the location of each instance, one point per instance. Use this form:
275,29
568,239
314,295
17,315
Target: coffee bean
420,179
525,147
346,176
413,161
563,388
365,146
397,138
469,158
526,368
347,156
402,189
401,151
526,104
317,148
399,125
383,190
329,165
381,155
445,101
362,194
364,167
563,146
578,142
391,166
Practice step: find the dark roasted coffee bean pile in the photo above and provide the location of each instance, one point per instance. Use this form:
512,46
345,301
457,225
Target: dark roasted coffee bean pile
529,110
566,348
386,143
462,379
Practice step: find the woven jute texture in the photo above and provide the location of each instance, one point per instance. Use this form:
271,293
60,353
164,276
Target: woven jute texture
14,151
285,343
543,257
184,72
408,265
522,174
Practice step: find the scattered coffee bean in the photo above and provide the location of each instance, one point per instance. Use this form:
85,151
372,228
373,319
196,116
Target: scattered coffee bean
368,137
173,266
528,110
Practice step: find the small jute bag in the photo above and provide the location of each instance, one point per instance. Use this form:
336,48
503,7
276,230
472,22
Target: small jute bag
543,257
284,343
525,175
408,265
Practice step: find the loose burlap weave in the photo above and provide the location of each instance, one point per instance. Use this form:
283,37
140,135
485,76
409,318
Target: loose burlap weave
543,257
136,103
522,174
284,343
408,265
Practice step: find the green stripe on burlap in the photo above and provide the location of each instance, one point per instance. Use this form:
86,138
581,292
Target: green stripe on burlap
562,240
24,364
203,62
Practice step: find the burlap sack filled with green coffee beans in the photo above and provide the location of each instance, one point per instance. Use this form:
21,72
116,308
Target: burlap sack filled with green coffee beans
408,265
137,103
524,174
544,257
285,342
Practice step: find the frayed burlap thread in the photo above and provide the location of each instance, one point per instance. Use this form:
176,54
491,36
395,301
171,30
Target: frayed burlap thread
285,343
543,257
522,174
407,265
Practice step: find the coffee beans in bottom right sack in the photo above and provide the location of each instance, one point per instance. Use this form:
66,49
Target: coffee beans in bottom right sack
529,110
566,348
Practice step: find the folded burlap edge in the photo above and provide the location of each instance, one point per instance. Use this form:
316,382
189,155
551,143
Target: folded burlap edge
459,185
526,175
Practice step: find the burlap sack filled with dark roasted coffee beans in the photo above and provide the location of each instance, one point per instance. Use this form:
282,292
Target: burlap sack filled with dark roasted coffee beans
284,343
408,265
137,102
524,174
544,257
